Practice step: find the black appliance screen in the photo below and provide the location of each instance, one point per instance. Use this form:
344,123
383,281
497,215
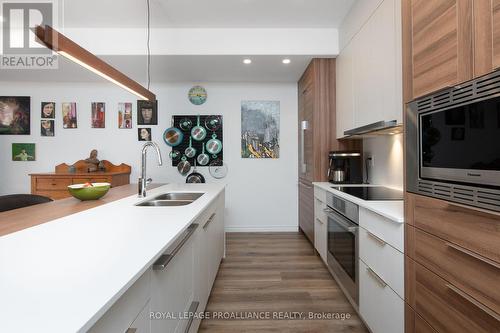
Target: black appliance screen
465,137
342,245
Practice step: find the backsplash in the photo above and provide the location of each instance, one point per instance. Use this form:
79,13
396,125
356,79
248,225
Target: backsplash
387,152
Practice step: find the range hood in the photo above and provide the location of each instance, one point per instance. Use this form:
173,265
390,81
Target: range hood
389,127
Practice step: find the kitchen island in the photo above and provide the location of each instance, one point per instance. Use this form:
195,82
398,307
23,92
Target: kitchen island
67,274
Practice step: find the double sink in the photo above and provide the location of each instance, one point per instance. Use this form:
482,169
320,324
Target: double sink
171,199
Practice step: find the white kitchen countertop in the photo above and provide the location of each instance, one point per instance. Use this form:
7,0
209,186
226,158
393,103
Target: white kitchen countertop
391,209
62,276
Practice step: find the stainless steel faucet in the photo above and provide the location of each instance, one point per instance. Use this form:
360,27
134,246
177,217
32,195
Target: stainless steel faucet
144,181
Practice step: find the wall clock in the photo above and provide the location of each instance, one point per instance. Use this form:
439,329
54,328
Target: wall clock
197,95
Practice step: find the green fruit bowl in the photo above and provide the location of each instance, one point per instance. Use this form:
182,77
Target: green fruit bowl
86,192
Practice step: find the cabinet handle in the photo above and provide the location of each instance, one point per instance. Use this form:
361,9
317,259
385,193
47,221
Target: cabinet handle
131,330
305,185
304,125
471,300
376,277
321,222
377,239
164,259
192,308
474,255
210,219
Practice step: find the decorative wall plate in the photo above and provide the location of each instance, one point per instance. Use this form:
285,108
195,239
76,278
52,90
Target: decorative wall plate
197,95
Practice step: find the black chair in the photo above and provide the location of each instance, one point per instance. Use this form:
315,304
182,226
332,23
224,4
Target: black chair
14,201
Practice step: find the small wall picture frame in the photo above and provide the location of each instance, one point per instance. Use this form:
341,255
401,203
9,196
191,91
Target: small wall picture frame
69,115
144,134
24,152
98,115
48,110
125,115
15,113
47,127
147,112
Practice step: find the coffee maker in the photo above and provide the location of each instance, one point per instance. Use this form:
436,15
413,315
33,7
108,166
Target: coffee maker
345,167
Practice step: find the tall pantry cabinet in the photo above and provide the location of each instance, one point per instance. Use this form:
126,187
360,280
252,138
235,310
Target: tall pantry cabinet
316,129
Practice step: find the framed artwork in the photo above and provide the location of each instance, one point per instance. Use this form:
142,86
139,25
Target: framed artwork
124,115
47,127
144,134
147,112
23,152
15,115
69,115
260,129
98,115
197,95
48,110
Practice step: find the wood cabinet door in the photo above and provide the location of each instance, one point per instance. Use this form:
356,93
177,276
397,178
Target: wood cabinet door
486,36
442,44
306,209
306,125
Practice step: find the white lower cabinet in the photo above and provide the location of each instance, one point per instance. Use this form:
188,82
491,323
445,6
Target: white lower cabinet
210,249
172,284
381,308
320,223
386,261
391,232
142,323
123,314
177,285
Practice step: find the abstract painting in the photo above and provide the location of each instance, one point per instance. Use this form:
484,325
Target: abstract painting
15,115
124,115
69,115
23,152
98,115
260,129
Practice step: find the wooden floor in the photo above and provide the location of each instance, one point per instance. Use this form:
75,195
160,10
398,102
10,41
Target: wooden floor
276,272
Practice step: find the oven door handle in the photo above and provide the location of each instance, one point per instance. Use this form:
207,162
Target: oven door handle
340,220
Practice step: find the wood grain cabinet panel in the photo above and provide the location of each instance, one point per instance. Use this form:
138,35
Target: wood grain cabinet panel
444,306
306,209
471,229
441,44
414,323
476,276
486,36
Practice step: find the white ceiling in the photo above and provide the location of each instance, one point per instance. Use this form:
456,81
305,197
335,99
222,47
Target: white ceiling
207,13
192,68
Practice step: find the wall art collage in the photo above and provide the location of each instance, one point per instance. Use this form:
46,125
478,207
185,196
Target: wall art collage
15,119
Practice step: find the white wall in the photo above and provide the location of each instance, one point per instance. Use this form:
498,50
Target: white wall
387,153
261,194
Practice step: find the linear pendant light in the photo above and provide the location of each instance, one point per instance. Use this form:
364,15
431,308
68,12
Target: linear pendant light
64,46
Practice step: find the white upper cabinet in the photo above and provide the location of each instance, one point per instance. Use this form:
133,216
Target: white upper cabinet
369,79
345,97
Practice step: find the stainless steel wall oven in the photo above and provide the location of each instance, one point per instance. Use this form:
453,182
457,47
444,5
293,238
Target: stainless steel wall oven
342,255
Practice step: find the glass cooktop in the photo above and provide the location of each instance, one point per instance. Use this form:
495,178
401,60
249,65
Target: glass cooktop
371,192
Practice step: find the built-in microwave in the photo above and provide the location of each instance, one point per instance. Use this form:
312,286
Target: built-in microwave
453,143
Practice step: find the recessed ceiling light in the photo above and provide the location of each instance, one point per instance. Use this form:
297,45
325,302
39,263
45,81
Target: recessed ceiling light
247,61
286,61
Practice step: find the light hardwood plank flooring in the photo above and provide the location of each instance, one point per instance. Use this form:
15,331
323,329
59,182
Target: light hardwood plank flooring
276,272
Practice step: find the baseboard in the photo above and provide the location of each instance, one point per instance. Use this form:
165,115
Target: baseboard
268,228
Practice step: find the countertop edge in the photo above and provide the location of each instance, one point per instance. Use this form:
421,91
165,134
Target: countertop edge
363,203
